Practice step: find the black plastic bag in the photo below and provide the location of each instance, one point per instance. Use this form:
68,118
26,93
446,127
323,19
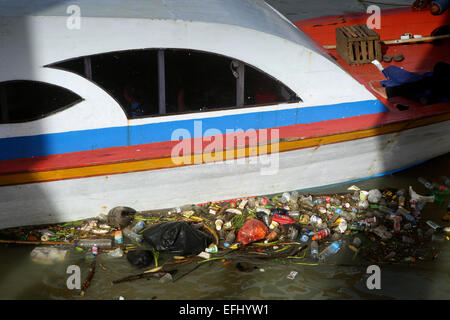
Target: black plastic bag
177,237
140,258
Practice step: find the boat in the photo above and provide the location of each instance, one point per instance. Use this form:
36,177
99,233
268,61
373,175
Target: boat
155,104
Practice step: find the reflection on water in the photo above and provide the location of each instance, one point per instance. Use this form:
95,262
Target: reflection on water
22,279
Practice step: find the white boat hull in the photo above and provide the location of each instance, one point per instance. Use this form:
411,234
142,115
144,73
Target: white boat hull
74,199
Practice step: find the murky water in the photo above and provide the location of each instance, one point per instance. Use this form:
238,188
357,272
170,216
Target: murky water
20,278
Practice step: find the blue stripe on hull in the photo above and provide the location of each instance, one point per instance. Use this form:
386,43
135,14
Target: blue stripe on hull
85,140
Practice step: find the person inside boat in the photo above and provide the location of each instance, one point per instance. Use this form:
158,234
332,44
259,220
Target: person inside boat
432,87
135,103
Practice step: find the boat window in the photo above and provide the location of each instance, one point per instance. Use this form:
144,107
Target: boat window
151,82
261,89
197,81
25,100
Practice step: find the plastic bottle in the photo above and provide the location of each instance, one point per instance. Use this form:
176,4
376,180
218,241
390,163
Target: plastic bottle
138,227
425,183
314,250
219,224
330,250
132,236
286,197
315,220
272,236
321,234
230,239
397,226
304,238
385,209
89,243
334,217
273,225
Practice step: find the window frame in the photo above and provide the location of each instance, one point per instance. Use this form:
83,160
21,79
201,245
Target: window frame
63,108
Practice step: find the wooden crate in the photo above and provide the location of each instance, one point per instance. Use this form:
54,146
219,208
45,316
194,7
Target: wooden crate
358,44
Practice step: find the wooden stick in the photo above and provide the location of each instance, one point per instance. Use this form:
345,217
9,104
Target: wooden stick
213,232
417,39
399,41
142,276
88,280
35,242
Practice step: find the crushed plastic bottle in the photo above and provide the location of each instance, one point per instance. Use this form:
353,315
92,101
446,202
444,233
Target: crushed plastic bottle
132,236
423,181
138,227
330,250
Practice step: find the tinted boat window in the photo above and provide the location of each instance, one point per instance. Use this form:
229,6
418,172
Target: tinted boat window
198,81
130,77
25,100
194,81
261,89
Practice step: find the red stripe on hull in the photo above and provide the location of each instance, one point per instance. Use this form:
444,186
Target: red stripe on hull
164,149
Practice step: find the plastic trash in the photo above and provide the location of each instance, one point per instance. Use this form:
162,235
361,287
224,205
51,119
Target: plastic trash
118,237
292,275
314,250
272,236
374,196
286,197
423,181
321,234
342,226
251,231
116,253
140,258
330,250
433,225
166,278
356,242
315,220
282,219
89,243
138,226
120,217
212,249
128,233
230,239
177,237
48,255
415,197
382,232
